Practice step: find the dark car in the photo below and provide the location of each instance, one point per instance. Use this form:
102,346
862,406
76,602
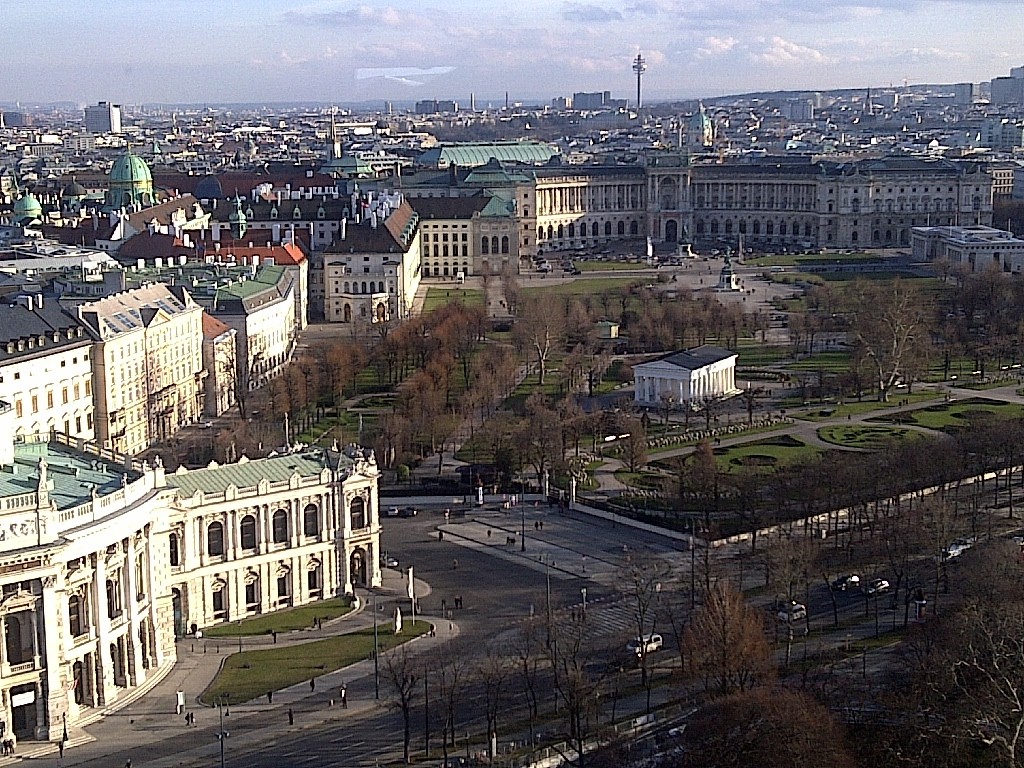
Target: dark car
408,512
843,583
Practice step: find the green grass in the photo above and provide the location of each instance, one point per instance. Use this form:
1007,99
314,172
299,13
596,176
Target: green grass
645,480
290,620
859,408
860,436
250,674
591,286
829,362
609,266
764,454
439,297
761,354
790,260
956,415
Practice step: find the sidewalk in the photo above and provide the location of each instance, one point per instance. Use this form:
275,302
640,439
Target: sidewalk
145,726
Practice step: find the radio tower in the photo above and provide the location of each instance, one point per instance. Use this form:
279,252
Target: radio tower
639,66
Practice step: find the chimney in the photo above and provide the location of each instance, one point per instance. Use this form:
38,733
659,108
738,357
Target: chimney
341,231
39,301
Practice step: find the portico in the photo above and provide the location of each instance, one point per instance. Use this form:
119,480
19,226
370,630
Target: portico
693,376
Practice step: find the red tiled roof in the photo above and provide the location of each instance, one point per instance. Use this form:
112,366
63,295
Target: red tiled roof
212,327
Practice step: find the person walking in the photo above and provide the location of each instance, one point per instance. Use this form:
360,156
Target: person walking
291,717
312,684
343,695
270,697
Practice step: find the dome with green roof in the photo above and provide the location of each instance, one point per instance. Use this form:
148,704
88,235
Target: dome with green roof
27,209
130,183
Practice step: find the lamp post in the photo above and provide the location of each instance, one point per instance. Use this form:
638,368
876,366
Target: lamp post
221,733
376,667
239,635
522,508
583,591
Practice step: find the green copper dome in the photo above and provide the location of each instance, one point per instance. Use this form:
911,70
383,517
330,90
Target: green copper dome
130,168
27,208
131,183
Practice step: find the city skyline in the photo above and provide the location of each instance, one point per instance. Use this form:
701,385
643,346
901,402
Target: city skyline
328,50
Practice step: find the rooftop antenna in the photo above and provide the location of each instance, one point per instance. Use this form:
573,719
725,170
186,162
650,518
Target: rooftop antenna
639,66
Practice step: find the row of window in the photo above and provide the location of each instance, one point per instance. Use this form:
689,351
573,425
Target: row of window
248,536
561,231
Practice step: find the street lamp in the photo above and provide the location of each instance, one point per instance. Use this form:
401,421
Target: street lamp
376,667
222,735
522,508
583,591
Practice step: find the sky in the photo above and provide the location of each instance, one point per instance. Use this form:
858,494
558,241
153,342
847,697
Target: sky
337,51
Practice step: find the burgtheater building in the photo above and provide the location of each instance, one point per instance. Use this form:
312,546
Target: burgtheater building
104,561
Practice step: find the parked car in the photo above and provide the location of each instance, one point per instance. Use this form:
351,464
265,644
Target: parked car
646,644
791,612
843,583
877,587
387,561
408,512
392,512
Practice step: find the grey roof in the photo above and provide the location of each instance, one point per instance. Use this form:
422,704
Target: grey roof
248,473
698,357
41,330
73,475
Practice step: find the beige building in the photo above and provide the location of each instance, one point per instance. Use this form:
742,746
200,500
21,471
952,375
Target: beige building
147,365
45,368
371,271
105,560
467,235
684,378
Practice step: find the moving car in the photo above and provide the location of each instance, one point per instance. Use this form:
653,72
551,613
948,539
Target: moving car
408,512
877,587
791,612
843,583
646,644
388,561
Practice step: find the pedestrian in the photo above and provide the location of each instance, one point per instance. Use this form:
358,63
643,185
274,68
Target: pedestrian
128,763
291,717
488,533
455,565
344,697
542,525
312,684
273,634
60,748
270,697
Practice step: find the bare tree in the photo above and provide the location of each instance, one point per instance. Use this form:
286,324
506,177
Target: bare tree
726,643
494,671
641,583
539,328
401,673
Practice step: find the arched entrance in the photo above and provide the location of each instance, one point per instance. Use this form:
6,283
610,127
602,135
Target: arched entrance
179,616
357,567
671,231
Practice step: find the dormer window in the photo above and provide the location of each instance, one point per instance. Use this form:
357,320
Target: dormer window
297,213
273,212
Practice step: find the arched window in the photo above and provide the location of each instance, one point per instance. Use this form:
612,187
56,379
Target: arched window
504,244
757,227
357,510
561,232
494,244
175,553
853,236
714,227
540,233
769,228
621,229
607,228
279,523
363,287
551,232
807,229
76,615
215,539
113,599
347,287
634,228
311,520
247,531
594,230
782,228
728,226
219,601
572,230
485,244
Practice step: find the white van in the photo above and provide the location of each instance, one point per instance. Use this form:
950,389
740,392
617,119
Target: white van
646,644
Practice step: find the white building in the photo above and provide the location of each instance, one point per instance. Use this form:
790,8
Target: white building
691,377
972,248
45,368
105,560
147,365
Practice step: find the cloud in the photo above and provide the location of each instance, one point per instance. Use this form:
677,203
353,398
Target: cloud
716,46
358,16
781,52
586,12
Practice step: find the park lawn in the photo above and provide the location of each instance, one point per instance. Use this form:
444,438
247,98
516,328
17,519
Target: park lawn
790,260
829,362
579,287
764,454
955,415
870,437
610,266
439,297
651,481
250,674
859,408
290,620
755,353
